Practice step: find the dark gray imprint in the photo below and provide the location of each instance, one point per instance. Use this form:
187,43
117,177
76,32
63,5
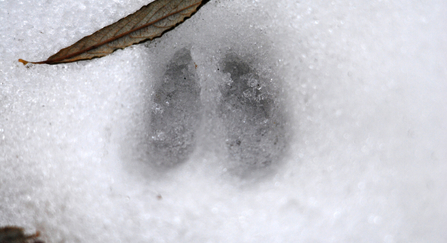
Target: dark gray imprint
176,112
252,117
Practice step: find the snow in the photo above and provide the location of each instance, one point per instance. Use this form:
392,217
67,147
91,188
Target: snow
285,121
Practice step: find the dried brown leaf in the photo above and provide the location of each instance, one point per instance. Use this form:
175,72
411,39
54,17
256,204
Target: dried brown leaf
13,234
149,22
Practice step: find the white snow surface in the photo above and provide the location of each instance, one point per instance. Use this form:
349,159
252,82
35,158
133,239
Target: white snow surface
344,139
